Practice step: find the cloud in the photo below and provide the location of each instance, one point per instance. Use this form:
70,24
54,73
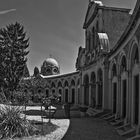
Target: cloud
7,11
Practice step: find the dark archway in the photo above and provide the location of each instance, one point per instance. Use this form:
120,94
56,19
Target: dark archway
124,98
114,87
123,64
100,88
93,89
66,85
73,96
73,92
66,95
124,86
86,90
135,81
60,95
47,93
78,91
59,84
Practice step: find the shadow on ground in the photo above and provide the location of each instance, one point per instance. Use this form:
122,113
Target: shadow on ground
90,129
45,127
34,112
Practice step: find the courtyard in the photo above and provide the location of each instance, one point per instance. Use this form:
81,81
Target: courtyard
90,129
75,128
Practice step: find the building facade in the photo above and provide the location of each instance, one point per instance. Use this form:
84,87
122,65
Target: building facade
108,67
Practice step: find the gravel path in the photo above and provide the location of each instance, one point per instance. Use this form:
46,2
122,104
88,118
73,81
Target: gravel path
90,129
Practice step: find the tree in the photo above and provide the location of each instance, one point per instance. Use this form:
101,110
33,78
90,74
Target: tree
26,72
36,71
44,69
13,48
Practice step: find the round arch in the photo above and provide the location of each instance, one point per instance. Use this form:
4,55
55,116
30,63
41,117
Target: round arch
134,57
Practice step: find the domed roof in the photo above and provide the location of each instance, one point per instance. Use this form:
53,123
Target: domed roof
52,62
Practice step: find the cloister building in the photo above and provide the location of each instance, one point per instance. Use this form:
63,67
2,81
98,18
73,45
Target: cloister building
107,68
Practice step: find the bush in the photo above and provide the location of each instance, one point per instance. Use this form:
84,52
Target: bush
12,124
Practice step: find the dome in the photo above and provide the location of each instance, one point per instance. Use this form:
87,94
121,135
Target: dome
50,67
52,62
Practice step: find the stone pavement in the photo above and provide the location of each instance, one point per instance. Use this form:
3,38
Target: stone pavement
90,129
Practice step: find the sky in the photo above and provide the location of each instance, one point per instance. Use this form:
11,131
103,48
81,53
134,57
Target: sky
55,27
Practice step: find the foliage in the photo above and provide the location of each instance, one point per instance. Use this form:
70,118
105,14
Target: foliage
36,71
44,69
12,124
13,59
26,71
21,97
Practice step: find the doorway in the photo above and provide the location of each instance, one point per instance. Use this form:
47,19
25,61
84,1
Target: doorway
124,98
136,99
114,97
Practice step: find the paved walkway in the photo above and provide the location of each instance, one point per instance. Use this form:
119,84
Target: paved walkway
90,129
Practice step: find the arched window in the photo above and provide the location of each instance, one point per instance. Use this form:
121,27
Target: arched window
66,84
93,78
123,64
136,56
53,85
93,36
72,83
97,26
59,84
78,82
114,70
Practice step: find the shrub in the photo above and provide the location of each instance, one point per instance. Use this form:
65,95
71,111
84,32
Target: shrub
12,124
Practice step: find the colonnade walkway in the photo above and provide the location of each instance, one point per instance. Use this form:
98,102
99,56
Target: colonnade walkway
91,129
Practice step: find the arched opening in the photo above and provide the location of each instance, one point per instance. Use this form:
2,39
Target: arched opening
123,64
136,99
86,90
114,86
60,95
53,85
124,86
135,83
59,84
72,83
100,88
135,56
78,91
124,90
73,91
53,91
66,95
73,96
47,93
93,89
66,85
